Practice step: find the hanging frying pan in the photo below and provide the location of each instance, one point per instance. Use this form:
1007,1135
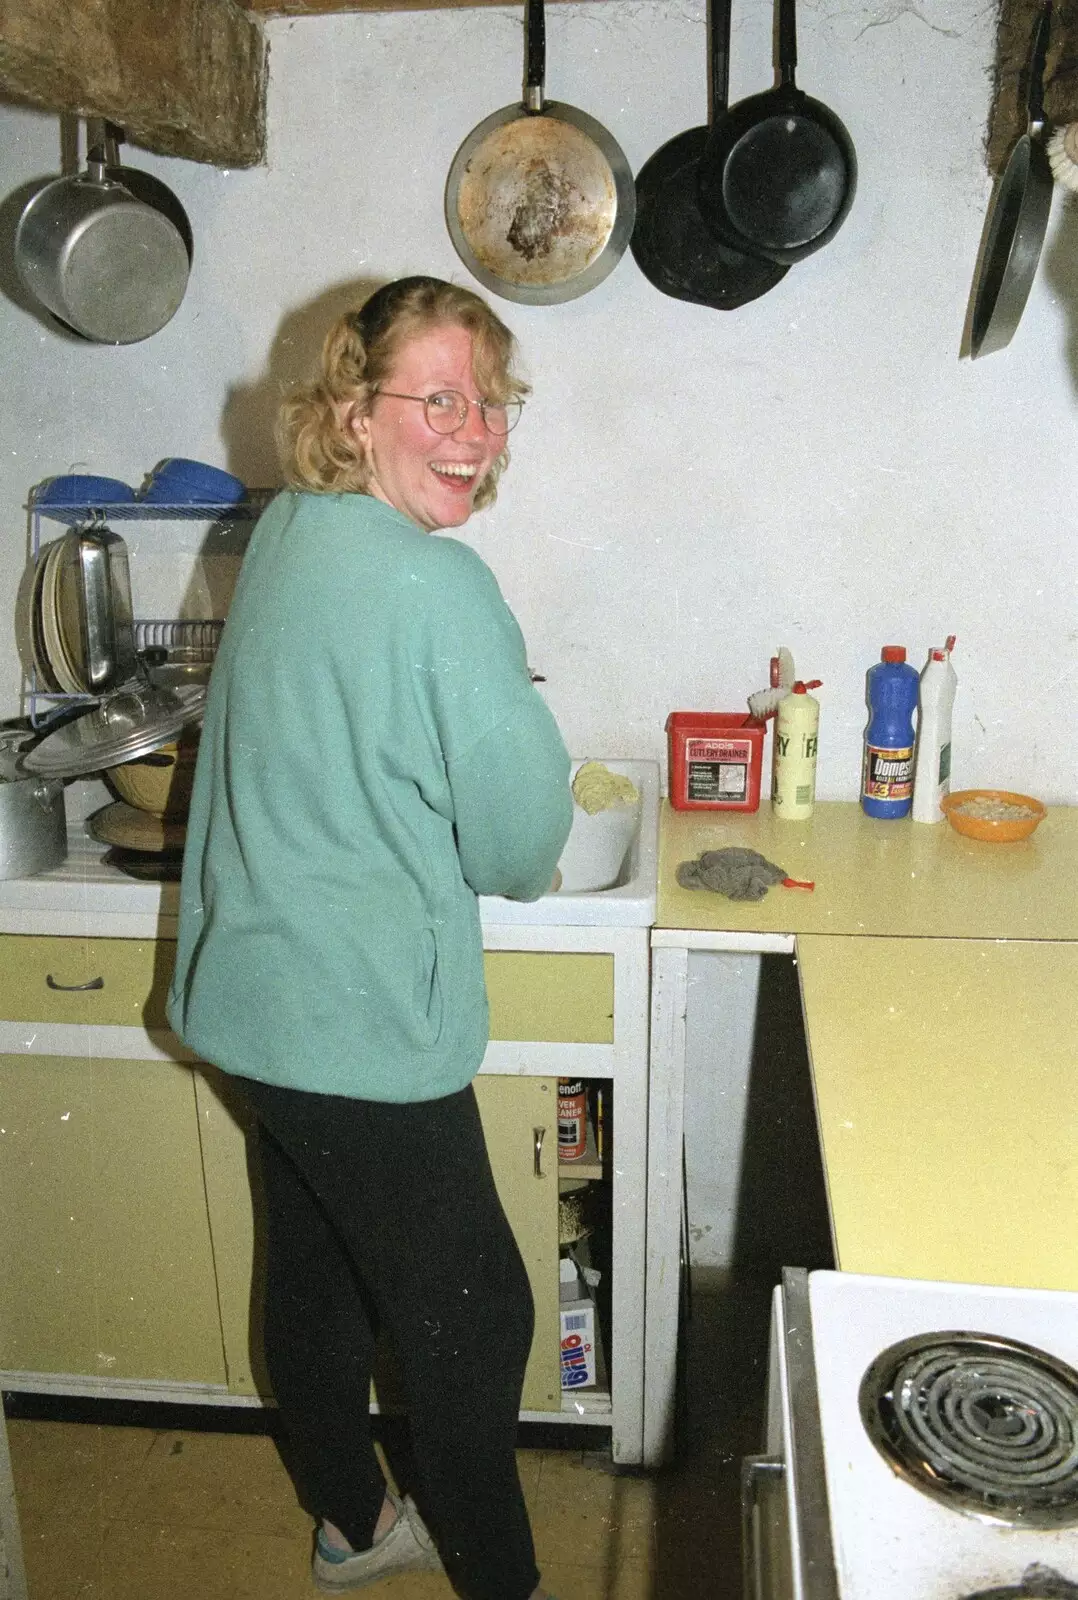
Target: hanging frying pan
1017,221
671,244
779,173
539,201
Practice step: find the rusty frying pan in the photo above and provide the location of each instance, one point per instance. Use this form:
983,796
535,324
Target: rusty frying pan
540,201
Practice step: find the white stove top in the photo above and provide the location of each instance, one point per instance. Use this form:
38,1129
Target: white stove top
891,1540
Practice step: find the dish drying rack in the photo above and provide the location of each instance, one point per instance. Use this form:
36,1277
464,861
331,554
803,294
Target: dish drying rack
196,637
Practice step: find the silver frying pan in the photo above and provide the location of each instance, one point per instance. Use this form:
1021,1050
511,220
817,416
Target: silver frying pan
540,200
1017,222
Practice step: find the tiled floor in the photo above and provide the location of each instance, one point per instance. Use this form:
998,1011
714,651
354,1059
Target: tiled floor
138,1513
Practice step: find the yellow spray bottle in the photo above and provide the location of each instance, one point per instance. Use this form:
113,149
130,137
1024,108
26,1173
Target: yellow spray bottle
793,772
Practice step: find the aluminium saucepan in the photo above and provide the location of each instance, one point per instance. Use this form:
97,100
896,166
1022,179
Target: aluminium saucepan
106,264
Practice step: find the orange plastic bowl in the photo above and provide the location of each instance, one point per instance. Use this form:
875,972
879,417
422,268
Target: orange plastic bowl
993,830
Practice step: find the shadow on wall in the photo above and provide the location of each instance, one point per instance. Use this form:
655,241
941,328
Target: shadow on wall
1060,268
250,411
782,1217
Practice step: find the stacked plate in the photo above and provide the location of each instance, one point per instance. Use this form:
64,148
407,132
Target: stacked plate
81,629
55,631
141,845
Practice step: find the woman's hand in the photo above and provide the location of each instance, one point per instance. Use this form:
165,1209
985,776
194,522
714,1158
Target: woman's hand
556,881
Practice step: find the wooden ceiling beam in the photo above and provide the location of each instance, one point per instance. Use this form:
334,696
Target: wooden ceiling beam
183,77
1008,118
322,8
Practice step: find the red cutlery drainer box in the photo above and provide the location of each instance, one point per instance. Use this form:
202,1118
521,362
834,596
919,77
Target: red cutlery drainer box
715,760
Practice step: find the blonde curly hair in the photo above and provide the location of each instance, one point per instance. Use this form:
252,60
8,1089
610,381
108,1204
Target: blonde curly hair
317,445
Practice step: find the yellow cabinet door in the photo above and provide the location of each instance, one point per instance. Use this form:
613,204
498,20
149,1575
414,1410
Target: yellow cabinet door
60,978
564,997
106,1268
515,1112
561,997
519,1115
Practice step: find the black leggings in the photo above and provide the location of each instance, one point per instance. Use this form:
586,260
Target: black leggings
388,1213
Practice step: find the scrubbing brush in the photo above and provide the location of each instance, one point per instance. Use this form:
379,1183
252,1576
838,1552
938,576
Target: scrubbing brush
1062,150
764,702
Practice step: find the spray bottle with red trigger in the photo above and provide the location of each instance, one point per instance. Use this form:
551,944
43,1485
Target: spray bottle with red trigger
793,776
932,762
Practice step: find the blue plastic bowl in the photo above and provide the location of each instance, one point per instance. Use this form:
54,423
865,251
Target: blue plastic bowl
82,489
180,482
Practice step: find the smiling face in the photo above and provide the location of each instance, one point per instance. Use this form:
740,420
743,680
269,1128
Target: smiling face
432,478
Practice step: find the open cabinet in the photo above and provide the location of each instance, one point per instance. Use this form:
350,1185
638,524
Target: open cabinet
133,1267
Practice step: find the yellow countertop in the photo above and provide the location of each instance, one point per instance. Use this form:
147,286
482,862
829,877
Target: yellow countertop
891,879
943,1040
946,1083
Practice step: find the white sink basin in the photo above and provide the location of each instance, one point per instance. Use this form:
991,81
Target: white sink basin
84,895
609,865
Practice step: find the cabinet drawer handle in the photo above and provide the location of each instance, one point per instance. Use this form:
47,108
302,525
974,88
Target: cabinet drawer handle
94,983
538,1135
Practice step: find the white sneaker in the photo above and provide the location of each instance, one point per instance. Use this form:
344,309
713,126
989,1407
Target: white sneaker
407,1547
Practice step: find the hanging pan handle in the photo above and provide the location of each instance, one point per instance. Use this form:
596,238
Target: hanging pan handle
1035,91
101,145
719,40
787,43
534,54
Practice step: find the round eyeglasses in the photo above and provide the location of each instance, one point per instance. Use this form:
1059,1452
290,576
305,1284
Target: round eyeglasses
447,410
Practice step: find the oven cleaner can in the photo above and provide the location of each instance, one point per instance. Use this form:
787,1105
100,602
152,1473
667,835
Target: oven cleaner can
572,1120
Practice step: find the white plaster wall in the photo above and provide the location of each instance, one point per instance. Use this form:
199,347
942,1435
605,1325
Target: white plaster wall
689,488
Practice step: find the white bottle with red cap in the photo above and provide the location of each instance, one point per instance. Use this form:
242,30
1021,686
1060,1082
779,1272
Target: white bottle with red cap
932,762
793,773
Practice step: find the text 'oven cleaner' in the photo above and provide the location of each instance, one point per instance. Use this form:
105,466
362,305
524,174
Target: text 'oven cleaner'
572,1120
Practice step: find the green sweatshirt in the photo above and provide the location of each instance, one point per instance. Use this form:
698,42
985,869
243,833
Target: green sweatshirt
374,756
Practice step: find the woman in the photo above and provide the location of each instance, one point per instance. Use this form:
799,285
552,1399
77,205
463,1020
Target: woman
374,756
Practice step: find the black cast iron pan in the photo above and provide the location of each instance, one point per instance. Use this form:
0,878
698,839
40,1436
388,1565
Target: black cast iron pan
539,201
671,243
780,172
1017,221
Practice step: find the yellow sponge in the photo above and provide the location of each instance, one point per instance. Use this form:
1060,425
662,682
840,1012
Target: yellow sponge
596,788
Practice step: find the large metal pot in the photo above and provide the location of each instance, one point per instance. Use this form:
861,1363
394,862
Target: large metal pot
33,818
103,140
108,265
71,743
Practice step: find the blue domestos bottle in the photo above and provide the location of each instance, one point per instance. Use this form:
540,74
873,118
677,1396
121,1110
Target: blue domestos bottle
887,771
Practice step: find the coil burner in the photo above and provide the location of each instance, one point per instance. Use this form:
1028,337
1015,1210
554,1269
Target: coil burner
987,1425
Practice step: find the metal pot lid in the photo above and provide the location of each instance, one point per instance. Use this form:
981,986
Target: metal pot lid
13,741
123,726
9,758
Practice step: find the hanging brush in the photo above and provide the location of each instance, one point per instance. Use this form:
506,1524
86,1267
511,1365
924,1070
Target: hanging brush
764,702
1062,150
